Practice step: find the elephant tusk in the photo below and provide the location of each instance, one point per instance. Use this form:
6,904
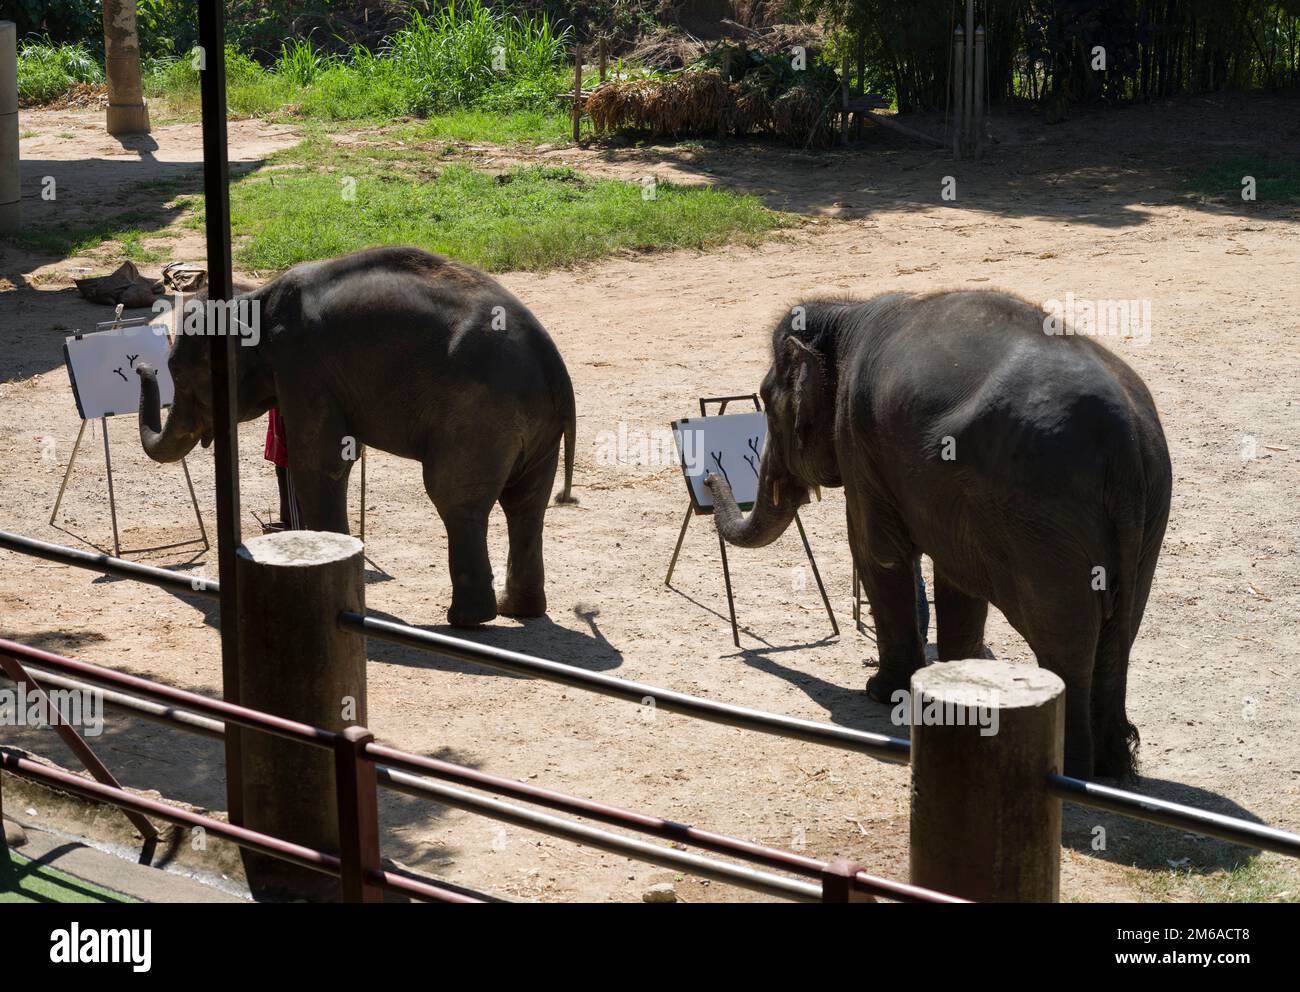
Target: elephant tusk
818,491
776,493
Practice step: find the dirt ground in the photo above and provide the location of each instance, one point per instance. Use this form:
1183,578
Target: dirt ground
1092,207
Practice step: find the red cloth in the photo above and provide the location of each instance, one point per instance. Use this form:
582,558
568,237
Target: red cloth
276,450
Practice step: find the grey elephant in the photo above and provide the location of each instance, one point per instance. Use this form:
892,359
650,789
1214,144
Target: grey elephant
414,355
1031,468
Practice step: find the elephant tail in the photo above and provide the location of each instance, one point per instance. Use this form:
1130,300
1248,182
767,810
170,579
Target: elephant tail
570,429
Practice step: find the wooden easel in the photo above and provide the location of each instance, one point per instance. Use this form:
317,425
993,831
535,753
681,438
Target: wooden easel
110,325
692,510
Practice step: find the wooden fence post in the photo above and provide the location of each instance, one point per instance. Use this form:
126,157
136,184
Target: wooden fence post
10,190
985,736
604,57
295,662
358,792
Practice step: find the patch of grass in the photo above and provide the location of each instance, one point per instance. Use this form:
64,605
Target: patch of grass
130,228
1259,879
46,71
27,134
25,881
1277,180
492,127
333,200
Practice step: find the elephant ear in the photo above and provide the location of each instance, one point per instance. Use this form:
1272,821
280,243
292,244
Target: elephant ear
806,381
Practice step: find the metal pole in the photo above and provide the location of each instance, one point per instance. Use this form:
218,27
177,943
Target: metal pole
681,536
958,87
112,500
68,473
216,195
821,588
977,122
969,94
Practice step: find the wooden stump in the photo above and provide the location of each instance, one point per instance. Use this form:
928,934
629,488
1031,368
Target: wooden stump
983,825
295,662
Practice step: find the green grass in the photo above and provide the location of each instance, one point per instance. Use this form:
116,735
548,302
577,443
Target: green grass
25,881
1259,879
1277,180
46,71
477,74
130,228
492,127
530,218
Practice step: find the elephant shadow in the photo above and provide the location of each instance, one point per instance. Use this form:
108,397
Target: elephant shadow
1123,840
844,706
1101,834
539,636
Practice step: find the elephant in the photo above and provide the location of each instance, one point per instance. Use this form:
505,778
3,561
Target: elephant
412,354
1030,466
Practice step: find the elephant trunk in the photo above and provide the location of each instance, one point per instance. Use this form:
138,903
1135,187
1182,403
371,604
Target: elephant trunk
779,497
163,444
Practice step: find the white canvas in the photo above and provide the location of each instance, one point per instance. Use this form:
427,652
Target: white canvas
730,445
102,367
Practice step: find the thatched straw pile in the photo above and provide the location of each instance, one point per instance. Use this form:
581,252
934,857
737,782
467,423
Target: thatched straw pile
690,103
799,117
751,110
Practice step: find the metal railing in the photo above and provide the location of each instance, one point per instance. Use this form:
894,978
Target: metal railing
362,765
879,746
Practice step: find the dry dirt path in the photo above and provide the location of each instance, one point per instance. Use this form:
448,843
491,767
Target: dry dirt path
1215,669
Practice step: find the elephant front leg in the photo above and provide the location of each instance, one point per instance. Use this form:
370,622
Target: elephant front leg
891,590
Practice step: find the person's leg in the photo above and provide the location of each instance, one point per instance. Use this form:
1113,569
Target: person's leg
282,481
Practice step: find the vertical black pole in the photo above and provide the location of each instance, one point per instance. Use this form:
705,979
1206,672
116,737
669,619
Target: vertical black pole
216,195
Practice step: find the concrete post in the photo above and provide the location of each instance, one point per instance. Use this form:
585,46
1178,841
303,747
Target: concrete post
295,662
127,113
958,87
10,186
985,735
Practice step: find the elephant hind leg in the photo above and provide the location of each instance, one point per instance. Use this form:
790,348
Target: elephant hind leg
464,510
524,501
960,619
1116,739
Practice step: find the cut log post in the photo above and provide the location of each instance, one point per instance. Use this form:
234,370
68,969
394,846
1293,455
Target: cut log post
10,185
127,113
295,662
604,57
985,736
